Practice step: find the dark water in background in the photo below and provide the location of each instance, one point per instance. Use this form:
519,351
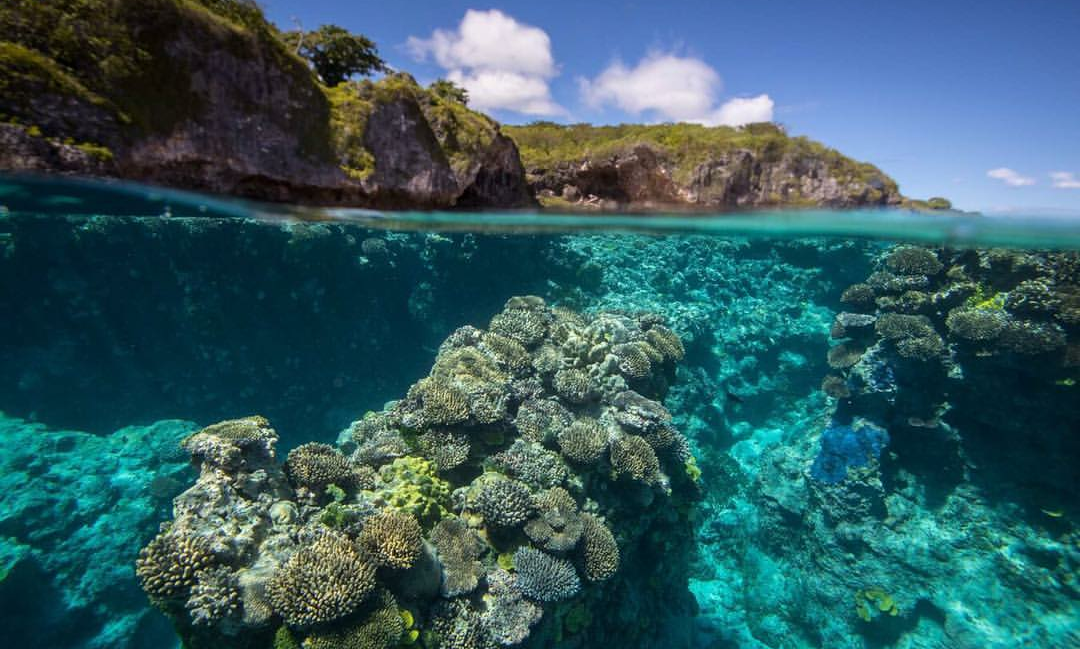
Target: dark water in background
892,464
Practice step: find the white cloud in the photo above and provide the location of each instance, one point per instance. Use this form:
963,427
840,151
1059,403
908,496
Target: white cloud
1010,177
1065,180
504,64
676,88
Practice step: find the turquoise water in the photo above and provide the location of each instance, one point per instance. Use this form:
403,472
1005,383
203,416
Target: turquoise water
786,429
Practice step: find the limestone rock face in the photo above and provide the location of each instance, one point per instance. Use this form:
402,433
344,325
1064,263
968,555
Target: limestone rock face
646,177
496,178
411,169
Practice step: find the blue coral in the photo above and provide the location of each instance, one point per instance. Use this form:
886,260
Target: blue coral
847,446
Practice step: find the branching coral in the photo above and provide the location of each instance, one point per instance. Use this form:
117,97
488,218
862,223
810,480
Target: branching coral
214,597
633,361
538,420
227,443
558,525
531,463
508,617
392,538
631,455
380,629
543,577
376,440
315,465
447,449
584,441
979,325
599,551
667,342
323,581
913,335
572,384
169,565
505,503
911,260
459,549
524,319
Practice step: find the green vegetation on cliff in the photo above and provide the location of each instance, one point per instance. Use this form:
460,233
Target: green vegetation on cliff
544,145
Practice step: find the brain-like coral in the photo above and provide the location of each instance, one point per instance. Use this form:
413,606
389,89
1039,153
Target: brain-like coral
412,485
584,441
508,617
169,565
543,577
599,551
558,525
912,260
323,581
392,538
459,551
315,465
214,597
631,455
382,628
505,503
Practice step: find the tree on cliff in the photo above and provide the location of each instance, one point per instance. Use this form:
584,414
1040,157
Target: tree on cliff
336,54
450,91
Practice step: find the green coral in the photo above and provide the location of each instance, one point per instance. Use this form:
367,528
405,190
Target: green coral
873,602
412,485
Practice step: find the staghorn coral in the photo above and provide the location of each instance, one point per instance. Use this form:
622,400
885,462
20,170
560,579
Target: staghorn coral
599,551
459,549
532,464
392,538
537,420
558,526
667,342
448,450
584,441
504,503
214,597
169,565
631,455
315,465
543,577
508,617
912,260
321,582
572,384
382,628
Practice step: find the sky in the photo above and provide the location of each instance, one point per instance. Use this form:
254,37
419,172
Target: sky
977,101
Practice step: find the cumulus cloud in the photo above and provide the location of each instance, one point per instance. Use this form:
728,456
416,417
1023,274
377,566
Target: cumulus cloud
1065,180
676,88
1010,177
504,64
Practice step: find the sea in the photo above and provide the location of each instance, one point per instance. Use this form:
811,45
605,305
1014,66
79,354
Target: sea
230,424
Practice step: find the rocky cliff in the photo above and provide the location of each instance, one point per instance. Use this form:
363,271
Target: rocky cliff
694,166
202,94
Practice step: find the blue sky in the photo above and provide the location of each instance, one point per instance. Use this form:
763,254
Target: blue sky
978,101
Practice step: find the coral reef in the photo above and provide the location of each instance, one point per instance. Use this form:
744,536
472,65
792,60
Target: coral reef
467,513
